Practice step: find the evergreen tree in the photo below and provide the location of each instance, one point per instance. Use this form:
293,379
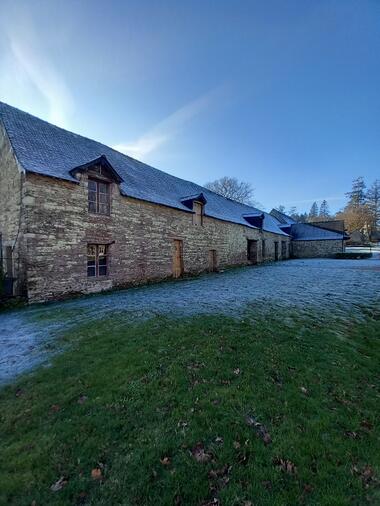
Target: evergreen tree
280,208
357,195
313,214
324,211
373,203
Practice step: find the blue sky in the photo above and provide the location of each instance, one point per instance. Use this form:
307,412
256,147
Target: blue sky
283,94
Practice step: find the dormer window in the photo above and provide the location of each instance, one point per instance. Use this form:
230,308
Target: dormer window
195,203
100,175
198,213
98,196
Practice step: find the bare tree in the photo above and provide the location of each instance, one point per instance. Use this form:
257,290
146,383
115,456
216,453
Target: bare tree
356,218
233,189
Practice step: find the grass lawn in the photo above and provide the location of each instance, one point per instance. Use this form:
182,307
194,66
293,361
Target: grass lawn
265,410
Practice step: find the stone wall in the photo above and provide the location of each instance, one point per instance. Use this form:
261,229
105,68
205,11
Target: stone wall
11,215
140,236
313,249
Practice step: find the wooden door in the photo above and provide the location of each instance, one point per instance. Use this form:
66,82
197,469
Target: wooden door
212,261
276,250
283,249
178,258
252,251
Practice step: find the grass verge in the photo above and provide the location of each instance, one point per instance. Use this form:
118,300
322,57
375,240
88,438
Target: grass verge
206,410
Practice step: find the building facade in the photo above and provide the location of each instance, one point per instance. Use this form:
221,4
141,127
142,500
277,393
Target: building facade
78,217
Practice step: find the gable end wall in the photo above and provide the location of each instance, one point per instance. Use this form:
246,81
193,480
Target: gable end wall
11,215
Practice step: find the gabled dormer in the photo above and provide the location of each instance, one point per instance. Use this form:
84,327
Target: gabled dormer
256,219
101,175
197,204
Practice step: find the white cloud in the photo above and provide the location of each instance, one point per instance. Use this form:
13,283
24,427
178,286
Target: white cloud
166,129
27,75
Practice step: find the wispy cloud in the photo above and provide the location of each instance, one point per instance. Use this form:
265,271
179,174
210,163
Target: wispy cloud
26,70
169,127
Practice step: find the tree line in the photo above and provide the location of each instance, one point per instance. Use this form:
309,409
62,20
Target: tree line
360,213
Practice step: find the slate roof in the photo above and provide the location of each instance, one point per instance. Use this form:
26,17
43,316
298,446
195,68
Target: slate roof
43,148
309,232
306,231
283,218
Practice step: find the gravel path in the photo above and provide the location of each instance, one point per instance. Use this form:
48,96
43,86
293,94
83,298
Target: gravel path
27,335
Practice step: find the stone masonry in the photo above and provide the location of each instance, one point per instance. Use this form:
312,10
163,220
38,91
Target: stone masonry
47,223
140,236
314,249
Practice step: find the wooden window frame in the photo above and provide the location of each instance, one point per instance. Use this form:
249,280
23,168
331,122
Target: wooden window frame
100,262
95,205
198,217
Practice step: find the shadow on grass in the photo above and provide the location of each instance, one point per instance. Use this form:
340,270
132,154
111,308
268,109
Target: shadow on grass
120,416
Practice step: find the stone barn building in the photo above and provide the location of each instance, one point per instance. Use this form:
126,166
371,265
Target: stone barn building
79,217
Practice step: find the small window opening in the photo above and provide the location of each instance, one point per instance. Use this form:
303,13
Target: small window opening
98,197
97,261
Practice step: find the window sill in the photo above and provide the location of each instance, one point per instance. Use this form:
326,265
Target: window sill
99,214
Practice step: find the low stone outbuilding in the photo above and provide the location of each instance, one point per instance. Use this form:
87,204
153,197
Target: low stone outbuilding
80,217
311,240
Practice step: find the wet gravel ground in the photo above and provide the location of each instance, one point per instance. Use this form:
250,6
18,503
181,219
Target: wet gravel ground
28,335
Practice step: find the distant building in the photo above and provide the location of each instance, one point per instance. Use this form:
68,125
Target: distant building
79,217
317,239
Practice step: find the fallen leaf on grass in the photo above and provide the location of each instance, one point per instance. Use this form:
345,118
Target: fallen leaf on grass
243,458
261,430
304,390
58,485
199,454
222,473
237,371
219,440
366,474
55,408
96,474
352,434
236,445
213,502
366,425
165,461
285,465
